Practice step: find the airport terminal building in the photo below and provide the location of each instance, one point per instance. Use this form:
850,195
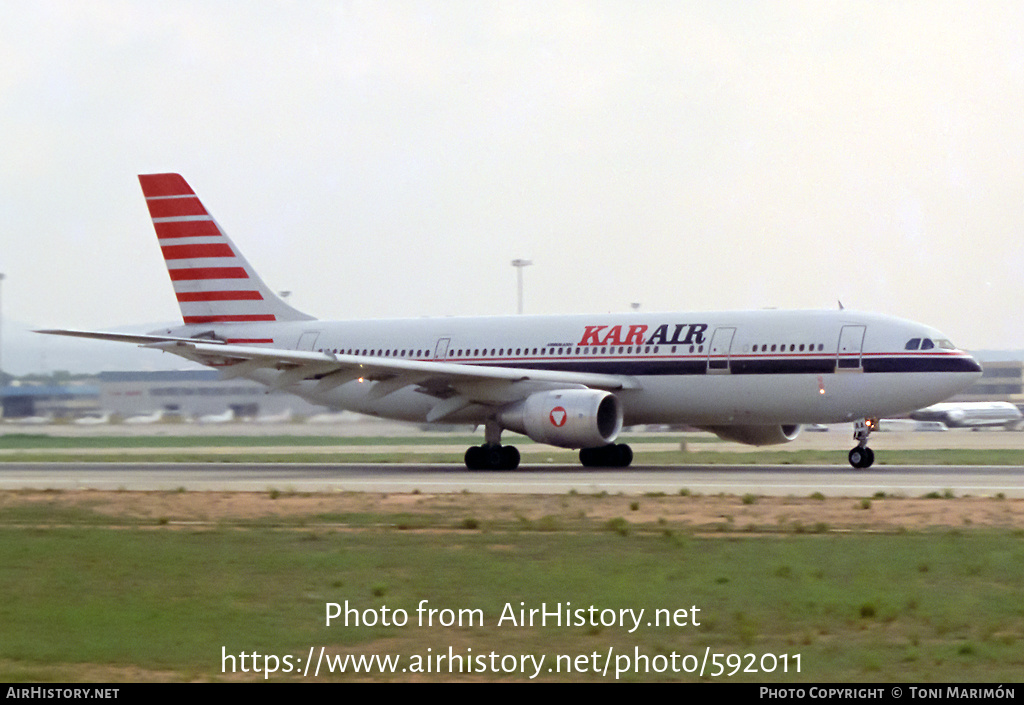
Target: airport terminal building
185,394
194,394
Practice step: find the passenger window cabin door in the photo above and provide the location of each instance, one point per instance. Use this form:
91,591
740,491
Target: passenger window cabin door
307,340
851,346
441,350
719,349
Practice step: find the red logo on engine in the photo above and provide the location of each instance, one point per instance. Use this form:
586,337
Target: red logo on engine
558,416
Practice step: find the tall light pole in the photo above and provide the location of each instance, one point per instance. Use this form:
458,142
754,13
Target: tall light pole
519,264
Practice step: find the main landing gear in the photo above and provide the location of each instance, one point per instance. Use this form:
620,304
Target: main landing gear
614,455
492,455
863,457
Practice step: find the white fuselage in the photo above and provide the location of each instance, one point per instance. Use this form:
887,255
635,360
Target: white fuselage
704,369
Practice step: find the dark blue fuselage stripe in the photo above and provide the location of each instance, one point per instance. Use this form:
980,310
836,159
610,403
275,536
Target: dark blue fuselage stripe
789,366
921,364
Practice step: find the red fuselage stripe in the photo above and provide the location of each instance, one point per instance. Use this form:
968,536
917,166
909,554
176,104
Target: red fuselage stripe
229,319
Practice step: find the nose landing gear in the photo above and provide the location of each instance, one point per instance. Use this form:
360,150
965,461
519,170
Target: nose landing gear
863,457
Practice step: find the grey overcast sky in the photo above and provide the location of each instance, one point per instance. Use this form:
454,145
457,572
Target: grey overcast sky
389,159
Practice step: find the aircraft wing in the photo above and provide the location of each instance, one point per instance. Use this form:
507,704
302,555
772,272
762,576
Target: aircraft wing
122,337
455,385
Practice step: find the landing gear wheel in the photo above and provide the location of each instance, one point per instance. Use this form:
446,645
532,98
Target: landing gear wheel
615,455
509,458
475,458
862,457
492,457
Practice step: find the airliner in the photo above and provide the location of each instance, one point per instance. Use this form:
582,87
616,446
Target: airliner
973,414
571,381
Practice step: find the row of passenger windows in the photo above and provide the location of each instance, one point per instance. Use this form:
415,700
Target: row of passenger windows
501,352
587,350
793,347
380,354
912,344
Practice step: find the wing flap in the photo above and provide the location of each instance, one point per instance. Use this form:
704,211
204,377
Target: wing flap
447,407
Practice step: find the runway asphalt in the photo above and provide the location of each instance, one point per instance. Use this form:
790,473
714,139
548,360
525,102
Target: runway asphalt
770,480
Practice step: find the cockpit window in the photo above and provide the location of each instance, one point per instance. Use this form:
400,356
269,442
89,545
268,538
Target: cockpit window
913,344
945,344
927,344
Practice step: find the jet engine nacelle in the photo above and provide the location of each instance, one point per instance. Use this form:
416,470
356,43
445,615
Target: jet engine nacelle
757,435
955,416
569,418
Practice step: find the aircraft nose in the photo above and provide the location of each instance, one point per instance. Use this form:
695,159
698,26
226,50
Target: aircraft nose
972,365
965,373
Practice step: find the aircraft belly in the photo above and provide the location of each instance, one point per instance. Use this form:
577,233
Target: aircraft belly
771,399
689,399
723,399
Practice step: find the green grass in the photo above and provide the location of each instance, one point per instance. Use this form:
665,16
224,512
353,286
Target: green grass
158,600
836,457
18,441
172,456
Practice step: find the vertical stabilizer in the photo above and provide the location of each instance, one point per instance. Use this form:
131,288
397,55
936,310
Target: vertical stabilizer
212,280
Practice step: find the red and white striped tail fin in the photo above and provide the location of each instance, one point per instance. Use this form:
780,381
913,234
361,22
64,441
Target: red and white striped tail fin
212,280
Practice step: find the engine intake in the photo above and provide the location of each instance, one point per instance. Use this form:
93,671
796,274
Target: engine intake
569,418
